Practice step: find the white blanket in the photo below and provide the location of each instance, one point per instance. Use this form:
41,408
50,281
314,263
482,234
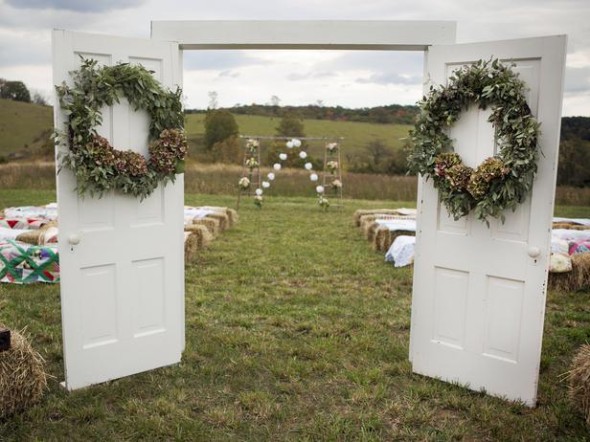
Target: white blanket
401,251
398,224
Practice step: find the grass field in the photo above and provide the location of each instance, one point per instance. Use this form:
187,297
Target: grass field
356,135
27,124
23,125
296,331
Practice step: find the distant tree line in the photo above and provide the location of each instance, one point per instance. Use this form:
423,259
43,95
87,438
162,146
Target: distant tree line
390,114
574,152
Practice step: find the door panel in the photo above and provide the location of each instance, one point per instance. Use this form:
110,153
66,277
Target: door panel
479,296
122,288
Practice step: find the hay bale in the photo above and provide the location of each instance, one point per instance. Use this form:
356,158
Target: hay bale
22,376
191,246
384,237
579,382
39,236
34,237
210,223
232,215
222,218
577,279
202,235
362,212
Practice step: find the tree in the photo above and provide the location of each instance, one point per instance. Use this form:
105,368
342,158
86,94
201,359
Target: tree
39,99
219,126
574,157
14,90
290,126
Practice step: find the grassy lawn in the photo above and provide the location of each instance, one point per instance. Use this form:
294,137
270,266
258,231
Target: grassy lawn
296,330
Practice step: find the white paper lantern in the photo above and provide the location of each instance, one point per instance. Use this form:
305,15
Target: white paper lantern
319,189
303,155
265,184
271,176
282,156
296,142
308,166
313,177
290,144
276,166
259,192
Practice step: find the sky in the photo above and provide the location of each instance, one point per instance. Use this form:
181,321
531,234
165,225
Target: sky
346,78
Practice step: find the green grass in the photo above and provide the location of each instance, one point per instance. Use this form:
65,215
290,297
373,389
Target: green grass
296,330
23,125
356,135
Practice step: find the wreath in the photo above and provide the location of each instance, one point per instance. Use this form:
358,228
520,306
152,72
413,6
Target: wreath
500,182
98,166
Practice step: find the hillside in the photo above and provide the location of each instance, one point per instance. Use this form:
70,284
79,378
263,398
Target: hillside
356,135
23,126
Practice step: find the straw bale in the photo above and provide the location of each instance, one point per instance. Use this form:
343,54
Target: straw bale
22,377
579,382
222,218
191,245
33,236
201,233
361,212
211,224
577,279
36,236
384,237
569,226
232,215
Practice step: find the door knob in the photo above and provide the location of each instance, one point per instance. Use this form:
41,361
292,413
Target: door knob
534,252
74,239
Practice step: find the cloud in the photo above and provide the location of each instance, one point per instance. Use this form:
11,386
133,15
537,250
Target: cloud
391,78
218,60
75,5
577,80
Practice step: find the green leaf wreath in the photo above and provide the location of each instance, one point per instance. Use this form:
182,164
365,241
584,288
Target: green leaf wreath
98,166
498,183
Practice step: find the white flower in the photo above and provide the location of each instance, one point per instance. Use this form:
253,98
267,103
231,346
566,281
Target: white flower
271,176
276,166
265,184
332,146
308,166
337,184
259,192
289,144
319,189
282,156
313,177
296,142
244,182
303,155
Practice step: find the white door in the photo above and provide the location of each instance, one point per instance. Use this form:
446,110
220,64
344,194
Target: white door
479,292
122,285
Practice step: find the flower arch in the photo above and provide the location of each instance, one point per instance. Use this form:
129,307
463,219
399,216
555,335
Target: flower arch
327,177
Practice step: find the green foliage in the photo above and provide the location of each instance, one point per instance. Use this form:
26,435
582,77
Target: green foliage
220,125
99,168
499,183
574,159
14,90
291,125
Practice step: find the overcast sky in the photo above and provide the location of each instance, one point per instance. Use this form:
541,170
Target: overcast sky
350,79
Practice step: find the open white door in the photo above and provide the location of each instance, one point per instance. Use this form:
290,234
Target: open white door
479,292
122,284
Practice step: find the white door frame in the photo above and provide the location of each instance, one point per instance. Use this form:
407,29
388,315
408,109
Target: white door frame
311,35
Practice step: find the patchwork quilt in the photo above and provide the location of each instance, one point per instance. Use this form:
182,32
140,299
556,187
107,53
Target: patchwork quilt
22,263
